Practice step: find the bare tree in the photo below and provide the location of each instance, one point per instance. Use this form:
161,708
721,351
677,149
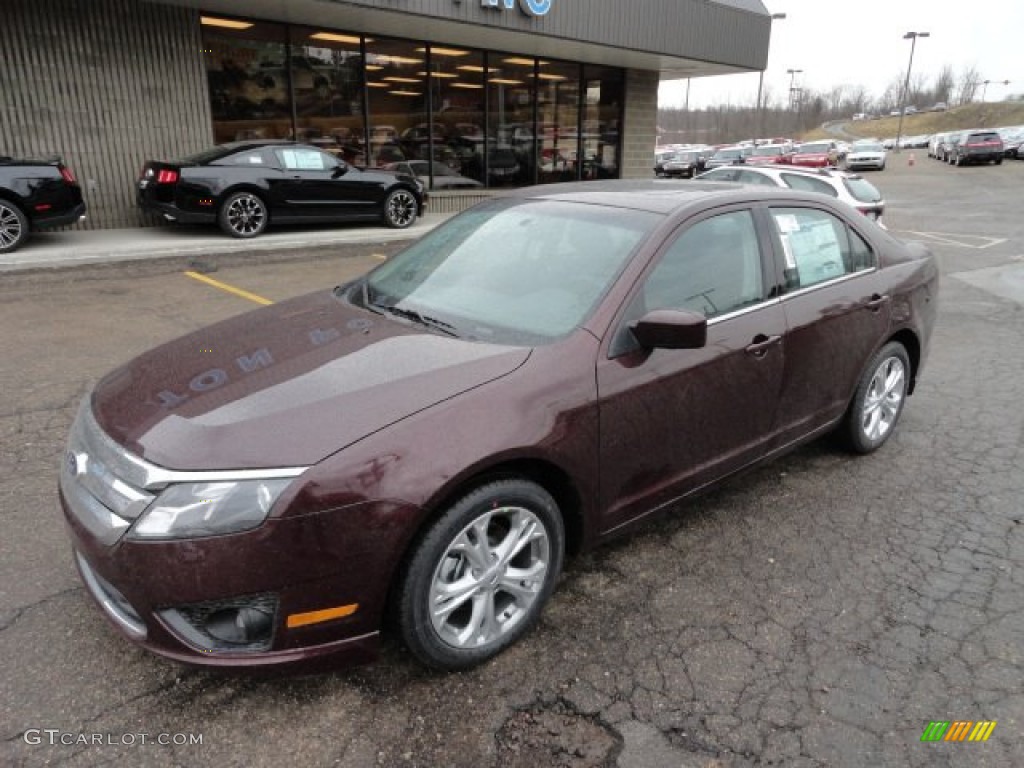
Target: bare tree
944,84
967,86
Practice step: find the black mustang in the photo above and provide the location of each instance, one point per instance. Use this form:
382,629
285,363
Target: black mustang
36,194
245,185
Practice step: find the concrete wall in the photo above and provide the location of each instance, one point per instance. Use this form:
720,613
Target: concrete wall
106,84
641,121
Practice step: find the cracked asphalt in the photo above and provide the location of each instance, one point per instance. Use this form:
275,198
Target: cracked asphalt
819,611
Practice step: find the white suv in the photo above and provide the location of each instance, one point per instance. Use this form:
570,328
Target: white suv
851,188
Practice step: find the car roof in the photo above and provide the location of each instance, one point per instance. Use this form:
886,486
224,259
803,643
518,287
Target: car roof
661,196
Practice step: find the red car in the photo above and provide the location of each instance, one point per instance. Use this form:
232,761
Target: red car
431,441
815,154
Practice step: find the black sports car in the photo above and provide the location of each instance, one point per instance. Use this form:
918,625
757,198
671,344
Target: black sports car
246,185
35,194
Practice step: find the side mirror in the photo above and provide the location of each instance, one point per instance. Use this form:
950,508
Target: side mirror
671,329
339,170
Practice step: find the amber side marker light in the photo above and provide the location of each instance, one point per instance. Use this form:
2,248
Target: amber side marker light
318,617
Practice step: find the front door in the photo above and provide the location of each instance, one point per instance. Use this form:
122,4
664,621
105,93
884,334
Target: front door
314,185
674,420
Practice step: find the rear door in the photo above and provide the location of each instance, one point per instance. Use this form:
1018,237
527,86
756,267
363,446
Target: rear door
837,313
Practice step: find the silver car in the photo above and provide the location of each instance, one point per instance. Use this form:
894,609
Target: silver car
865,155
852,189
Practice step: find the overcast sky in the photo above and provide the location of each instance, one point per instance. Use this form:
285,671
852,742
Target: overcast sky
861,42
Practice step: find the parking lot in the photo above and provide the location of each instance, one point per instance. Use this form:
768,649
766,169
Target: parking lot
819,611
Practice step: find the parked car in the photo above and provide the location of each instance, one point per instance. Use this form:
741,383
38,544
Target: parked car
444,176
815,154
683,165
727,156
245,186
423,442
865,154
978,146
935,145
36,194
769,154
1012,140
852,189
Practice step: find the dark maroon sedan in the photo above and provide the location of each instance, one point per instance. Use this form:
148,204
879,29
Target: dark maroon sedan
430,441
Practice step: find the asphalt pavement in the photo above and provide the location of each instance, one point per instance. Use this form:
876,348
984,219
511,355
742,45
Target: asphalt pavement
820,611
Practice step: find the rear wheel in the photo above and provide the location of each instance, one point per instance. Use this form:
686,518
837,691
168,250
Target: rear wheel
478,580
13,227
400,209
878,400
244,215
999,161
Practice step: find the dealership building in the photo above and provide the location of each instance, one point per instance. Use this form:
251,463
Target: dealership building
489,93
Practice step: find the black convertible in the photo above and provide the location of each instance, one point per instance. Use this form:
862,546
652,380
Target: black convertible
246,185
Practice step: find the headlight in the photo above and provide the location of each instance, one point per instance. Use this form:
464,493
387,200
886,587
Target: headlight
192,510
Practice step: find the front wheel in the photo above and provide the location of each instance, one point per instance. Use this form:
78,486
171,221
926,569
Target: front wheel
400,209
878,400
478,580
13,227
244,215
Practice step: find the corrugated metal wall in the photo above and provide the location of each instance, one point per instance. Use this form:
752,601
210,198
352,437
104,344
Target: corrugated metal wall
106,84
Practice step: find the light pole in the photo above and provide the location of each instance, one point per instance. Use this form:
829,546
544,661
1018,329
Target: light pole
985,89
912,37
760,83
792,76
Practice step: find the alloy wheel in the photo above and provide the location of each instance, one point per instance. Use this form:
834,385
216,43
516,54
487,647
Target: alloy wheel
400,209
11,227
246,215
489,577
883,399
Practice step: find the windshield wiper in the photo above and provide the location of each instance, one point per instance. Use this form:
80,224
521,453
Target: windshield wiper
416,317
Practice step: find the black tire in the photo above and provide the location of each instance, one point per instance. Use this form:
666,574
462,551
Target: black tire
243,215
871,418
462,639
400,208
999,161
881,167
14,227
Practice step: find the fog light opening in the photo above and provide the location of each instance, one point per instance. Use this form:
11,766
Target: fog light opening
240,626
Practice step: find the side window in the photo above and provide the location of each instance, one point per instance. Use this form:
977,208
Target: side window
254,158
749,177
809,184
861,255
714,267
722,174
302,159
818,247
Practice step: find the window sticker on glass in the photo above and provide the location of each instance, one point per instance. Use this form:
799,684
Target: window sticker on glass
787,223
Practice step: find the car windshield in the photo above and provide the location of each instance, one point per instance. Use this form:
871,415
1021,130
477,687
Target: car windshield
862,189
521,272
685,157
868,147
728,154
768,151
813,149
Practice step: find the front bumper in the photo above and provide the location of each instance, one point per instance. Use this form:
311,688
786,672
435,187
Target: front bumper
315,582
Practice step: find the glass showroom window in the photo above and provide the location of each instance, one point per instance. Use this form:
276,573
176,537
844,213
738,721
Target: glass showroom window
247,73
396,77
512,149
457,91
604,92
327,83
558,109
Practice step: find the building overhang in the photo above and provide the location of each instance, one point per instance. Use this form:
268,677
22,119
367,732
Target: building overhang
676,38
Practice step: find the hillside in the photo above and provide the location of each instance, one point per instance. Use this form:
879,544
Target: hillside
987,115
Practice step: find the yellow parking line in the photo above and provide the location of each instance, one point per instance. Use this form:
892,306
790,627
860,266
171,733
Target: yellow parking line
229,288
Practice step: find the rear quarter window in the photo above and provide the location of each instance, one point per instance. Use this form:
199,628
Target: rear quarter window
862,190
809,184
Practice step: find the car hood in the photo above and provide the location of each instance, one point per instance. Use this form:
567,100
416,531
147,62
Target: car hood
286,385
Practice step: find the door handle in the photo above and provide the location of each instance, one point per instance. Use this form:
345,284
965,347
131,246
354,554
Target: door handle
876,302
760,344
